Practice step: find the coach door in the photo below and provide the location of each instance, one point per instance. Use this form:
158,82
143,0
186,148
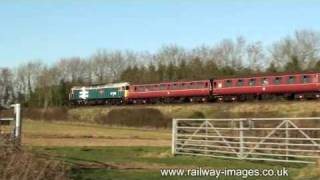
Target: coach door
264,84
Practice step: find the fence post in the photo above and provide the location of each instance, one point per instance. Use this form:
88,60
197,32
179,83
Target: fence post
241,138
287,140
18,123
174,136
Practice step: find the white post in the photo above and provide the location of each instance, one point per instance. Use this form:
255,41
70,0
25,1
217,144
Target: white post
287,140
206,147
17,130
241,139
174,136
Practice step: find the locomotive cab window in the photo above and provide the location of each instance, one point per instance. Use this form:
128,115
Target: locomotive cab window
252,82
240,82
305,79
291,79
277,80
228,83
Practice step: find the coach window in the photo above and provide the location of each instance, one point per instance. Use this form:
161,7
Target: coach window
135,88
277,80
228,83
305,79
252,82
140,89
162,86
291,79
181,86
174,86
264,81
240,82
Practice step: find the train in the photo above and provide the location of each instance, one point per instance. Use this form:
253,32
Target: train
276,86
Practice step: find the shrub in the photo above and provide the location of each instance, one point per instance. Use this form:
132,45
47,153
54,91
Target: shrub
49,114
17,164
137,117
197,115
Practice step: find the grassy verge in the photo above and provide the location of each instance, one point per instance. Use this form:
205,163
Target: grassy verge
43,133
146,162
212,110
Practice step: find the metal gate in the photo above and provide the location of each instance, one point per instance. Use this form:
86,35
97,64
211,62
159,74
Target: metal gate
10,127
269,139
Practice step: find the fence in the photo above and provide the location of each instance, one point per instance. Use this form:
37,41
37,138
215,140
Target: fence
11,126
269,139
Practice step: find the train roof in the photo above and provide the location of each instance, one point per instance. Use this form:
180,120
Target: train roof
266,75
111,85
172,82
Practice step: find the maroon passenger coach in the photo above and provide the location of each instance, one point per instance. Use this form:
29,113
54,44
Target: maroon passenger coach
170,92
289,86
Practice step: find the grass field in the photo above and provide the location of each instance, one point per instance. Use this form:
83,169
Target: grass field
100,152
145,163
42,133
97,152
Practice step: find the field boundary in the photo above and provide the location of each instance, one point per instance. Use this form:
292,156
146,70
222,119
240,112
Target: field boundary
294,140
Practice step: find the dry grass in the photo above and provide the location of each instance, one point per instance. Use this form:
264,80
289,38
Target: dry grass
310,172
212,110
73,142
17,164
42,133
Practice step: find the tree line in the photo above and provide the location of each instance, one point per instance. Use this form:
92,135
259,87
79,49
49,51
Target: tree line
35,84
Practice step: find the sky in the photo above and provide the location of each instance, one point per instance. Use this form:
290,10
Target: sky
51,30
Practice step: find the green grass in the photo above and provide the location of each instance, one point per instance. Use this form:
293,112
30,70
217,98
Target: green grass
145,162
76,129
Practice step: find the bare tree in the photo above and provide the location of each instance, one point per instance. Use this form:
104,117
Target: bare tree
26,76
255,56
6,88
303,46
171,54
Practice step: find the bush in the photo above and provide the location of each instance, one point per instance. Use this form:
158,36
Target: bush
141,117
49,114
197,115
17,164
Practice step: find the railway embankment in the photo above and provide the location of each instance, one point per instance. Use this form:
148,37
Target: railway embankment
159,116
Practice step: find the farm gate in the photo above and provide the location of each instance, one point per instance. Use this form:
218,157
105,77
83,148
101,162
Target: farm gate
269,139
10,127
